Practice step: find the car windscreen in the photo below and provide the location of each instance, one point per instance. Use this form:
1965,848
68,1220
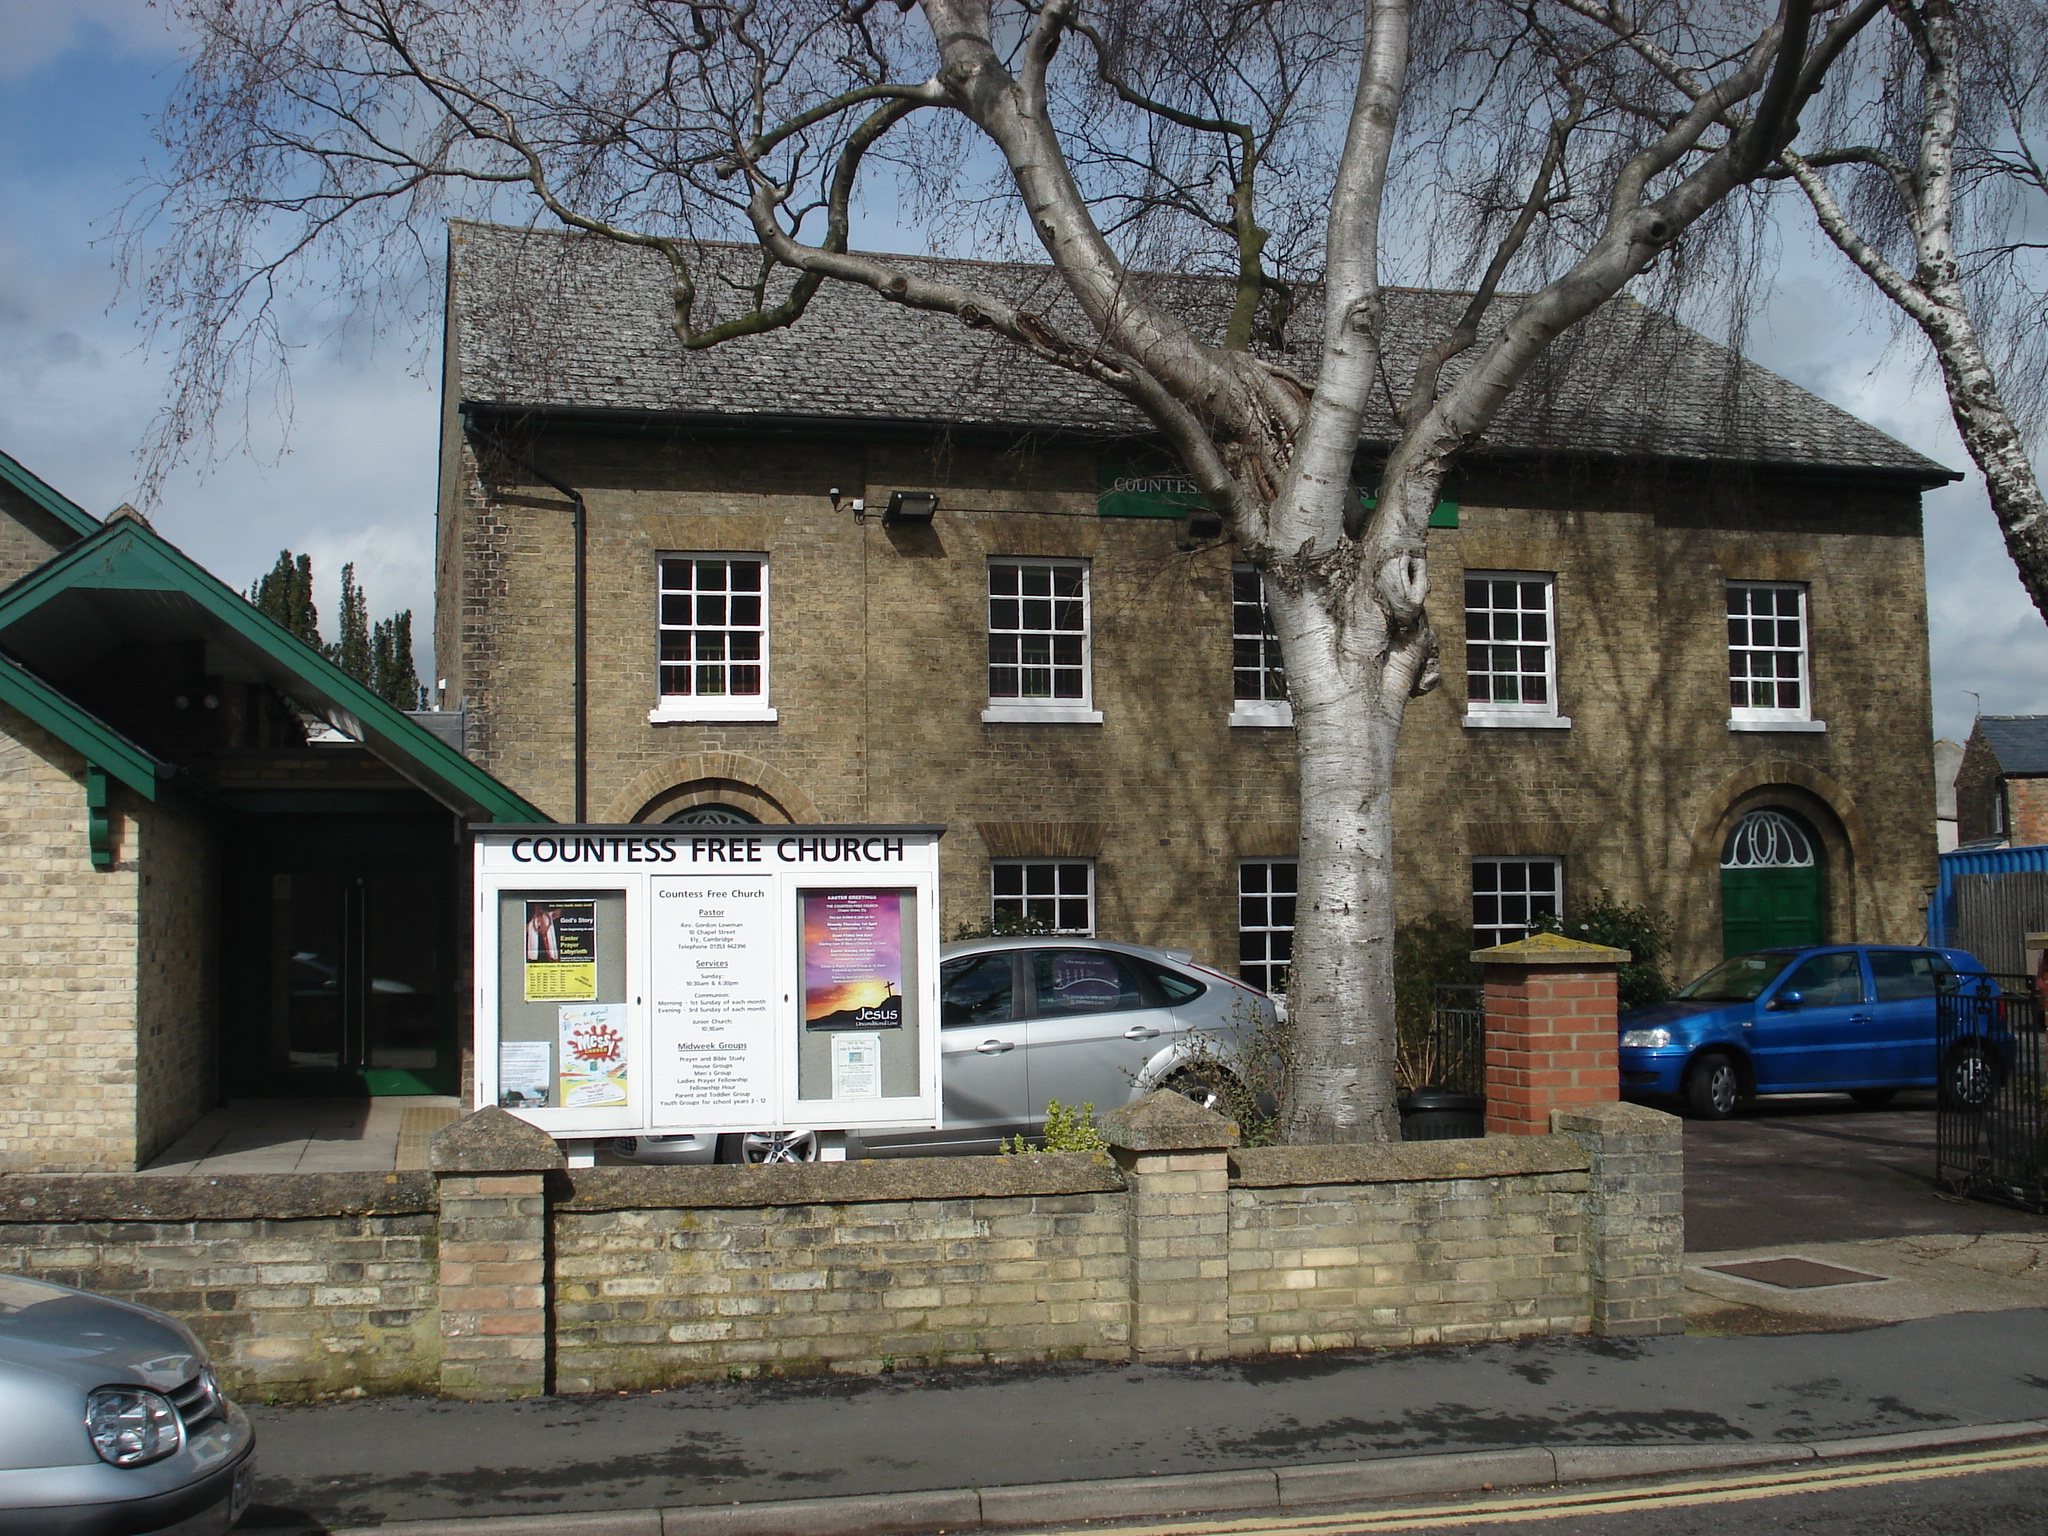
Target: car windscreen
1738,979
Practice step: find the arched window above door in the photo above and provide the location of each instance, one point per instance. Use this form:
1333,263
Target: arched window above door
1768,839
712,815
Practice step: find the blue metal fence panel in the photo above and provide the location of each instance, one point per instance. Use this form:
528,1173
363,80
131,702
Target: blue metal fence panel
1941,912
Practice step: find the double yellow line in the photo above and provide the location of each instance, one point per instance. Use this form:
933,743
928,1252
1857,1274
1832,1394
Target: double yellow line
1809,1477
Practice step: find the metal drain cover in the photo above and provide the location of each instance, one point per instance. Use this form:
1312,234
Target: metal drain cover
1793,1274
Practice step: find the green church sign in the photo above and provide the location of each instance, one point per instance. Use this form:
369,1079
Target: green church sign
1130,488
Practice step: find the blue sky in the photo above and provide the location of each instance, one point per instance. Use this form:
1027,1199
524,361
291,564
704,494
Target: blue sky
353,477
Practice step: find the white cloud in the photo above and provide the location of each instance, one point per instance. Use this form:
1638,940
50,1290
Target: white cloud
34,33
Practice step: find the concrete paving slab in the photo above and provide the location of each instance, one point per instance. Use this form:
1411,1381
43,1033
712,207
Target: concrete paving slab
1398,1475
635,1522
1114,1498
951,1509
308,1136
1936,1275
1588,1463
1928,1439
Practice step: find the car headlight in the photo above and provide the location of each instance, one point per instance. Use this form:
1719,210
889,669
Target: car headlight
131,1426
1646,1039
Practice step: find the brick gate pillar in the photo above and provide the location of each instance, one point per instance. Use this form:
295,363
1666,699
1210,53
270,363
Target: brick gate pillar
1550,1030
1175,1156
491,1170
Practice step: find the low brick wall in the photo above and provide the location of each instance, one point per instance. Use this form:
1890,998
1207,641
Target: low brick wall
483,1284
299,1285
970,1260
1434,1242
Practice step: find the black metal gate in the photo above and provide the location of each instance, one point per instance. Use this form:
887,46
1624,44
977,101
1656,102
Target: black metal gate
1442,1068
1991,1131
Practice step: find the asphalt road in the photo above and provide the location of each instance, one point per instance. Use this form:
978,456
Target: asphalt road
409,1459
1820,1168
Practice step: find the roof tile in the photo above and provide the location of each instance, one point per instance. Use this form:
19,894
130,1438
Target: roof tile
565,320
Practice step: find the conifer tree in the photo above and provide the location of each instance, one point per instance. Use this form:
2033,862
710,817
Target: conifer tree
351,649
392,674
285,594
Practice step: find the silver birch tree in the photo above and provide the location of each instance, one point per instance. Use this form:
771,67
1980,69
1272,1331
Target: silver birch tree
1954,114
332,126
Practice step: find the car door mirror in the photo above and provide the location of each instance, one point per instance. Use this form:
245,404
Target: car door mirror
1788,1000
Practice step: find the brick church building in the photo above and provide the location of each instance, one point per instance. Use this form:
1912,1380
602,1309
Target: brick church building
1680,602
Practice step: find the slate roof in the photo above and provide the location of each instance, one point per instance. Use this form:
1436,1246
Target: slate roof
2019,742
544,319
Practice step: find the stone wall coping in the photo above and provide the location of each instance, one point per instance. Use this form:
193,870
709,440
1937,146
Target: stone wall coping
152,1197
1550,949
1165,1121
27,1198
1615,1118
872,1181
1406,1162
492,1141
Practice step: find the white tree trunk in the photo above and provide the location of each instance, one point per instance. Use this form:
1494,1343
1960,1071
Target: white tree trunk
1348,704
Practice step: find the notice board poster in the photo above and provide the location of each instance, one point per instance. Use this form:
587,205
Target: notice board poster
561,951
593,1055
852,959
525,1074
714,1001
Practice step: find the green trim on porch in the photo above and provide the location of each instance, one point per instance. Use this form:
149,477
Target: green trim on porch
106,749
47,498
127,556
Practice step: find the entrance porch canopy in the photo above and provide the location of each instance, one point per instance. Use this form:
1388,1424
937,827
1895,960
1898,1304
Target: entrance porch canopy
125,585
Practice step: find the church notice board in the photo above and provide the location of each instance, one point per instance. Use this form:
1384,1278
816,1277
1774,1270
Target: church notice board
646,979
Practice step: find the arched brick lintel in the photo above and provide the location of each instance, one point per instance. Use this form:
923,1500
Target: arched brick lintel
775,795
1831,809
1710,828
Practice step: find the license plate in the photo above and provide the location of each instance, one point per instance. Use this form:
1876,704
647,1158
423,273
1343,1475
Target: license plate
245,1482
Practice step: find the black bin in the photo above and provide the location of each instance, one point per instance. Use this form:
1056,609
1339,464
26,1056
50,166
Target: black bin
1442,1114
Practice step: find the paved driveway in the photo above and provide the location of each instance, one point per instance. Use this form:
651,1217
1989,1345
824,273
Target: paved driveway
1819,1168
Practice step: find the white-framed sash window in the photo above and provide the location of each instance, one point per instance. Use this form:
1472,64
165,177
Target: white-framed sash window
711,637
1510,894
1258,680
1265,922
1511,650
1770,683
1038,643
1056,894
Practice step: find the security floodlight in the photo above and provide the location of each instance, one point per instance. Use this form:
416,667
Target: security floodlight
910,507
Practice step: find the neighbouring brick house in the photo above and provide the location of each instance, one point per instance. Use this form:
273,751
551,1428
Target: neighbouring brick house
2002,785
200,900
1697,677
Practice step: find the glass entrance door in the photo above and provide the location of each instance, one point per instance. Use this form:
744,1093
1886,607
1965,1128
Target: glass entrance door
338,957
354,983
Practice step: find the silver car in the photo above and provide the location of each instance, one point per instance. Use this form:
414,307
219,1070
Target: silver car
111,1421
1024,1021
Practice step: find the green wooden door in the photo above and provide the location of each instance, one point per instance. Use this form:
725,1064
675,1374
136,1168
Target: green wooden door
1767,908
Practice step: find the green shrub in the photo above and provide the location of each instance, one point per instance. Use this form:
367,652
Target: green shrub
1001,927
1066,1130
1641,930
1248,1072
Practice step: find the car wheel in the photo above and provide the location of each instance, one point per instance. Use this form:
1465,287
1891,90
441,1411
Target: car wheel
1208,1089
1873,1098
1713,1087
1969,1077
768,1147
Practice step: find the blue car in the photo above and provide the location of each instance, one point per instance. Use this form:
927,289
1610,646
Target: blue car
1848,1018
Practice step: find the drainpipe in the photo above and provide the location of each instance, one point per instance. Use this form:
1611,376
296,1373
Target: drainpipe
579,522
